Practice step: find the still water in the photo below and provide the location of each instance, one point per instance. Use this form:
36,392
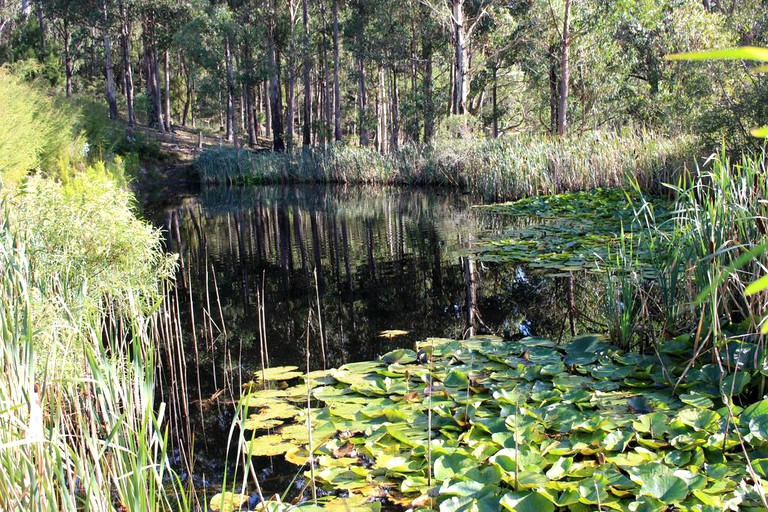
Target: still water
267,272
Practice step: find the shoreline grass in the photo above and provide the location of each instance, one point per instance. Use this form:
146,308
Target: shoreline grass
497,169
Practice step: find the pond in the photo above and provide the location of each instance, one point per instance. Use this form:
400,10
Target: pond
349,273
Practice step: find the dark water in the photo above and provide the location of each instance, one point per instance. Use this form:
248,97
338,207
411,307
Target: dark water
254,261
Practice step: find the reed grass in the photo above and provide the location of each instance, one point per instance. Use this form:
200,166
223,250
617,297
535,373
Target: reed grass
702,260
90,441
504,168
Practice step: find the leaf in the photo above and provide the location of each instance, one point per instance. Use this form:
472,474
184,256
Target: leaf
402,356
697,400
740,53
271,445
658,481
392,333
526,502
278,373
228,501
762,283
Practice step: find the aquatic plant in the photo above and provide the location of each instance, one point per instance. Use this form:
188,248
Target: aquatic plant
511,167
527,425
86,441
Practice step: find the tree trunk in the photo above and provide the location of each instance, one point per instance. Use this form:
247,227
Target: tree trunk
231,119
41,24
167,92
290,92
381,108
267,112
158,89
188,93
67,58
336,85
460,97
495,101
307,127
429,105
328,114
394,141
565,72
125,46
553,89
110,73
275,94
362,103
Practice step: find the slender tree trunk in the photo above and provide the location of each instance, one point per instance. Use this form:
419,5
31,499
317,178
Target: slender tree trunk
275,94
395,116
328,100
125,46
267,111
495,101
189,86
155,112
167,73
362,103
336,85
67,57
250,101
459,36
553,89
565,72
307,127
412,127
231,119
290,92
381,107
41,25
110,73
429,105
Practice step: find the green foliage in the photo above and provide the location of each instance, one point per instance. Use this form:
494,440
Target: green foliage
87,245
37,130
510,167
521,425
96,427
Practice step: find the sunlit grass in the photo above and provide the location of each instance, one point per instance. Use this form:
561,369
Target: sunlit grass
510,167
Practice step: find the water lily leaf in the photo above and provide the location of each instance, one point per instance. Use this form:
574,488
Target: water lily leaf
655,424
647,504
257,422
658,481
354,502
228,501
278,373
526,502
402,356
446,466
698,419
392,333
270,445
697,400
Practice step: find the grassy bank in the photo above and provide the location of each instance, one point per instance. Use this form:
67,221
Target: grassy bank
81,319
496,168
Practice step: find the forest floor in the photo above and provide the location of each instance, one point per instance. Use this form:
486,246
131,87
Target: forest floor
170,172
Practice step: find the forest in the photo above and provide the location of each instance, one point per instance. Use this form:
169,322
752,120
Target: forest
383,255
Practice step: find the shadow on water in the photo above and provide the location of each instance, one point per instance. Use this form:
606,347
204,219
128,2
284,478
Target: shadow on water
385,259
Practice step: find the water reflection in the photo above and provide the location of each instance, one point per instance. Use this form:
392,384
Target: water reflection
255,261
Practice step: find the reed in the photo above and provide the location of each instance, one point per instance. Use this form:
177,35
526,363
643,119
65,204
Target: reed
702,259
90,441
505,168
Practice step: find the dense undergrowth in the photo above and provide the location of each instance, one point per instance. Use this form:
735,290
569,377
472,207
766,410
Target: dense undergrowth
81,283
503,168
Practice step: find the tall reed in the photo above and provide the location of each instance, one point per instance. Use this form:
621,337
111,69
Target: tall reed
505,168
88,442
